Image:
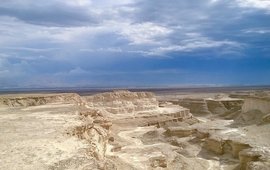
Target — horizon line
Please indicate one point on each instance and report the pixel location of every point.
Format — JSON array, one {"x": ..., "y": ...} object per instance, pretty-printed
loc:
[{"x": 79, "y": 88}]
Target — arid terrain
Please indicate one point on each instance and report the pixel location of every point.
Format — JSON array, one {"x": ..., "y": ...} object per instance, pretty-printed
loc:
[{"x": 136, "y": 130}]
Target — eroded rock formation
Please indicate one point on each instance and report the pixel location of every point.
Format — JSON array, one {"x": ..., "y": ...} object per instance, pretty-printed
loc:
[
  {"x": 208, "y": 106},
  {"x": 133, "y": 130},
  {"x": 95, "y": 129},
  {"x": 40, "y": 99},
  {"x": 124, "y": 102}
]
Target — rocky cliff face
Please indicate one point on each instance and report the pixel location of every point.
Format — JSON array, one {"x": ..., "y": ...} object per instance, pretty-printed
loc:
[
  {"x": 237, "y": 130},
  {"x": 123, "y": 101},
  {"x": 255, "y": 109},
  {"x": 196, "y": 106},
  {"x": 227, "y": 145},
  {"x": 263, "y": 105},
  {"x": 95, "y": 129},
  {"x": 203, "y": 107},
  {"x": 137, "y": 108}
]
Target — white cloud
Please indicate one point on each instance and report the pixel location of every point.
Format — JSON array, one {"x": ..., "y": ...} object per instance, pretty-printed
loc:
[
  {"x": 144, "y": 33},
  {"x": 257, "y": 31},
  {"x": 113, "y": 50},
  {"x": 80, "y": 2},
  {"x": 214, "y": 1},
  {"x": 259, "y": 4},
  {"x": 77, "y": 70},
  {"x": 191, "y": 45}
]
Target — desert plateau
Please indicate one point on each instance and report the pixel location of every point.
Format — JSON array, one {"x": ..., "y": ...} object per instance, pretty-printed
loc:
[
  {"x": 135, "y": 85},
  {"x": 136, "y": 130}
]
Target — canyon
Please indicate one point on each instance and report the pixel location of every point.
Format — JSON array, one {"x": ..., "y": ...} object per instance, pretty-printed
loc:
[{"x": 136, "y": 130}]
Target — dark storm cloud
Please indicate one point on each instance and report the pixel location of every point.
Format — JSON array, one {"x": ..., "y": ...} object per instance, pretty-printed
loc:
[
  {"x": 50, "y": 14},
  {"x": 84, "y": 42}
]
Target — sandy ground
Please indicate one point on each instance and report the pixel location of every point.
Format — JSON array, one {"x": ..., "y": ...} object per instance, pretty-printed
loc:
[{"x": 35, "y": 138}]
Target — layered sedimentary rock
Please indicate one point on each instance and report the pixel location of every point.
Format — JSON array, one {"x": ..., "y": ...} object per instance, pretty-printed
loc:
[
  {"x": 95, "y": 129},
  {"x": 208, "y": 106},
  {"x": 254, "y": 100},
  {"x": 132, "y": 130},
  {"x": 40, "y": 99},
  {"x": 254, "y": 103},
  {"x": 137, "y": 108},
  {"x": 212, "y": 142},
  {"x": 247, "y": 156},
  {"x": 124, "y": 101},
  {"x": 196, "y": 106},
  {"x": 134, "y": 114},
  {"x": 255, "y": 110}
]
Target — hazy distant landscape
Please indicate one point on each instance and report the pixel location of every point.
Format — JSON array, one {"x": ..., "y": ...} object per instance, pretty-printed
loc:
[{"x": 157, "y": 90}]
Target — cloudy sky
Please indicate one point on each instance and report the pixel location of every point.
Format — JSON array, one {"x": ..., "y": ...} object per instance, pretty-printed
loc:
[{"x": 67, "y": 43}]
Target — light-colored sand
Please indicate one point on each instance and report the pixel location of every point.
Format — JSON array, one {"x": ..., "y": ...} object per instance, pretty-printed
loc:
[{"x": 35, "y": 138}]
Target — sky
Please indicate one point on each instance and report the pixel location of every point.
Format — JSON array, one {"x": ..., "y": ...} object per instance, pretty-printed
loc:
[{"x": 111, "y": 43}]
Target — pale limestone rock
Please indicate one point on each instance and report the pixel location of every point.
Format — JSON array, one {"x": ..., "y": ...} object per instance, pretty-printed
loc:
[
  {"x": 40, "y": 99},
  {"x": 124, "y": 102},
  {"x": 254, "y": 103}
]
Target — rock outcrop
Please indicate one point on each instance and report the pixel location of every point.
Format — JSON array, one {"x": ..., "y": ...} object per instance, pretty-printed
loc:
[
  {"x": 159, "y": 161},
  {"x": 123, "y": 102},
  {"x": 254, "y": 110},
  {"x": 39, "y": 99},
  {"x": 256, "y": 103},
  {"x": 251, "y": 117},
  {"x": 132, "y": 130},
  {"x": 180, "y": 131},
  {"x": 96, "y": 130},
  {"x": 202, "y": 107},
  {"x": 158, "y": 117},
  {"x": 196, "y": 106},
  {"x": 137, "y": 108},
  {"x": 255, "y": 159}
]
